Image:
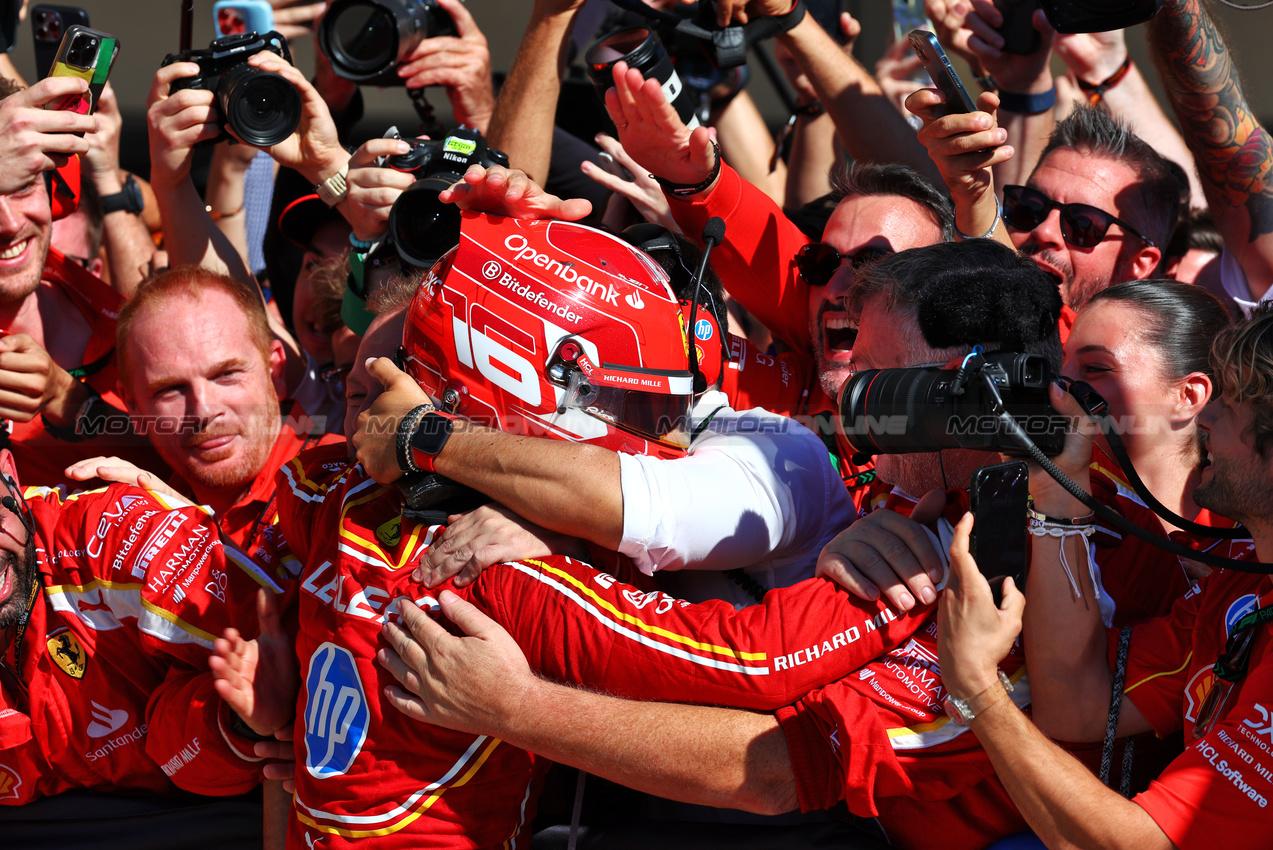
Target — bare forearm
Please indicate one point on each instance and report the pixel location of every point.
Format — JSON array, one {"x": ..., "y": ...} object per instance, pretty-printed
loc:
[
  {"x": 525, "y": 110},
  {"x": 869, "y": 125},
  {"x": 812, "y": 158},
  {"x": 1064, "y": 803},
  {"x": 565, "y": 487},
  {"x": 694, "y": 754},
  {"x": 196, "y": 240},
  {"x": 1134, "y": 101},
  {"x": 1065, "y": 642},
  {"x": 1233, "y": 152},
  {"x": 746, "y": 145},
  {"x": 225, "y": 196},
  {"x": 126, "y": 238}
]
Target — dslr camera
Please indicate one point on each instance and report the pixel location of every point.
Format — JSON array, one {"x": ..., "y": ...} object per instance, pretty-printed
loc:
[
  {"x": 367, "y": 39},
  {"x": 422, "y": 227},
  {"x": 260, "y": 107},
  {"x": 929, "y": 408}
]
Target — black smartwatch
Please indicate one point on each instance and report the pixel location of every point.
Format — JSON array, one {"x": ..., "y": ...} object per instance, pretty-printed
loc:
[
  {"x": 430, "y": 436},
  {"x": 128, "y": 199}
]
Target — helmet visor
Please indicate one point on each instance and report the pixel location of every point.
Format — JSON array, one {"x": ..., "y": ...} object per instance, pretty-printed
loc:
[{"x": 659, "y": 416}]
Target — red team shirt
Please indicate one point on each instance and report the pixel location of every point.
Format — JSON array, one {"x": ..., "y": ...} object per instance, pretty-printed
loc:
[
  {"x": 115, "y": 657},
  {"x": 1217, "y": 793},
  {"x": 366, "y": 771}
]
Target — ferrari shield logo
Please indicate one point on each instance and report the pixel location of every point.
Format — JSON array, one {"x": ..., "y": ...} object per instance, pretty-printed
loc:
[
  {"x": 66, "y": 652},
  {"x": 390, "y": 533}
]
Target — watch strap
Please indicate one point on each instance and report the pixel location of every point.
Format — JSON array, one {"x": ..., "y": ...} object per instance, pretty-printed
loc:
[
  {"x": 334, "y": 189},
  {"x": 964, "y": 711},
  {"x": 128, "y": 199},
  {"x": 435, "y": 427},
  {"x": 402, "y": 439}
]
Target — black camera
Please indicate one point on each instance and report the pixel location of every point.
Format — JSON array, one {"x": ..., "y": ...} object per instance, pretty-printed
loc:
[
  {"x": 422, "y": 227},
  {"x": 1070, "y": 16},
  {"x": 929, "y": 408},
  {"x": 367, "y": 39},
  {"x": 261, "y": 107}
]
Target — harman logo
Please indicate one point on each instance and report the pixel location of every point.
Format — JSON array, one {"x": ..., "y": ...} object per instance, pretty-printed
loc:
[
  {"x": 105, "y": 720},
  {"x": 336, "y": 714},
  {"x": 634, "y": 300},
  {"x": 491, "y": 270}
]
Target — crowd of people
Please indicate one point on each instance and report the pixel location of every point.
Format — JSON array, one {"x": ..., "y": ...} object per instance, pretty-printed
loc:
[{"x": 346, "y": 506}]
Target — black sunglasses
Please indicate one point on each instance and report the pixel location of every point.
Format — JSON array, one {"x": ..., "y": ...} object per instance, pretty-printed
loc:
[
  {"x": 1082, "y": 225},
  {"x": 818, "y": 261}
]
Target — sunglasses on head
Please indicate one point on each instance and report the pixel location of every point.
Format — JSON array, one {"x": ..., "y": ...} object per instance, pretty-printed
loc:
[
  {"x": 1082, "y": 225},
  {"x": 817, "y": 261}
]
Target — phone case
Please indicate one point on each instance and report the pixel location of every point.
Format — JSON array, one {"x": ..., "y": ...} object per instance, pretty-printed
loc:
[
  {"x": 1019, "y": 35},
  {"x": 995, "y": 491},
  {"x": 235, "y": 17},
  {"x": 48, "y": 25},
  {"x": 930, "y": 52},
  {"x": 96, "y": 69}
]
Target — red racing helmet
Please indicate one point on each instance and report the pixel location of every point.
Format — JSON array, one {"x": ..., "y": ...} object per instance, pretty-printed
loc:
[{"x": 554, "y": 329}]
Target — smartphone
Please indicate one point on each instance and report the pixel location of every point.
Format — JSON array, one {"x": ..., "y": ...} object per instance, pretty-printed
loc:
[
  {"x": 48, "y": 25},
  {"x": 236, "y": 17},
  {"x": 1019, "y": 35},
  {"x": 827, "y": 14},
  {"x": 999, "y": 536},
  {"x": 613, "y": 166},
  {"x": 930, "y": 52},
  {"x": 89, "y": 55}
]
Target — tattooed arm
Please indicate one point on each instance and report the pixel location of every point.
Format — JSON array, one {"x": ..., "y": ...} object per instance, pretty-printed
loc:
[{"x": 1233, "y": 152}]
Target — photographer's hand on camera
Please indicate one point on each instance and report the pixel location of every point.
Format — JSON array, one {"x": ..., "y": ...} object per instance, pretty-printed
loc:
[
  {"x": 886, "y": 553},
  {"x": 964, "y": 147},
  {"x": 373, "y": 188},
  {"x": 314, "y": 149},
  {"x": 34, "y": 139},
  {"x": 491, "y": 534},
  {"x": 462, "y": 64},
  {"x": 503, "y": 191},
  {"x": 177, "y": 122},
  {"x": 654, "y": 135},
  {"x": 1049, "y": 497}
]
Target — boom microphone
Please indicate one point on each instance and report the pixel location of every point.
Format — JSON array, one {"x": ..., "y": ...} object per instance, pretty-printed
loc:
[{"x": 713, "y": 235}]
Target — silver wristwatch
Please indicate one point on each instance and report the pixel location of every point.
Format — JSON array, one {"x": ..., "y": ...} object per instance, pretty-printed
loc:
[{"x": 964, "y": 711}]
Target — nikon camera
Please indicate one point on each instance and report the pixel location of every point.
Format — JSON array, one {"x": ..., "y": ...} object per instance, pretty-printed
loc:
[
  {"x": 260, "y": 107},
  {"x": 422, "y": 227}
]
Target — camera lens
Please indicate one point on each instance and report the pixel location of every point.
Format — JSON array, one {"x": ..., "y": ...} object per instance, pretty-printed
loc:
[
  {"x": 640, "y": 48},
  {"x": 366, "y": 39},
  {"x": 260, "y": 107},
  {"x": 424, "y": 228}
]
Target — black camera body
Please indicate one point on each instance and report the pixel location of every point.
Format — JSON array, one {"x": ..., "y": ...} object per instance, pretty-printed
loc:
[
  {"x": 366, "y": 40},
  {"x": 262, "y": 108},
  {"x": 422, "y": 227},
  {"x": 930, "y": 408}
]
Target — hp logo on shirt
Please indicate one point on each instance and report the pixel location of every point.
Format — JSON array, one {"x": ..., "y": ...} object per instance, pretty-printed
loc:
[{"x": 336, "y": 713}]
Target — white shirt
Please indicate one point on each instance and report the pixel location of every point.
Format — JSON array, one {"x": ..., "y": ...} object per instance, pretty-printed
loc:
[{"x": 756, "y": 491}]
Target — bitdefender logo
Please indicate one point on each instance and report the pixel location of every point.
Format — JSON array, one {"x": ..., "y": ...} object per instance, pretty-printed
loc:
[{"x": 492, "y": 270}]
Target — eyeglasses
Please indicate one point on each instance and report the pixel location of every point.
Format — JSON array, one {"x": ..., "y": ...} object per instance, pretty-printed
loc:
[
  {"x": 1082, "y": 225},
  {"x": 1229, "y": 670},
  {"x": 817, "y": 261}
]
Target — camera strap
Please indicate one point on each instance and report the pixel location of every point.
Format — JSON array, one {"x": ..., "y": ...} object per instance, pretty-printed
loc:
[
  {"x": 729, "y": 44},
  {"x": 1014, "y": 429},
  {"x": 1096, "y": 407}
]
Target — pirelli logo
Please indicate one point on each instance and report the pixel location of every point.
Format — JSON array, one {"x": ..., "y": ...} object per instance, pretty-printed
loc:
[{"x": 155, "y": 544}]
